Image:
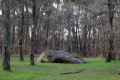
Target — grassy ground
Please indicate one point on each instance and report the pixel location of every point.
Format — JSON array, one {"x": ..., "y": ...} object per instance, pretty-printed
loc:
[{"x": 95, "y": 69}]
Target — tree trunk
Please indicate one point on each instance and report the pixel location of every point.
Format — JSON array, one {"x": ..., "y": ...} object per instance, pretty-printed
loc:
[
  {"x": 13, "y": 29},
  {"x": 21, "y": 34},
  {"x": 27, "y": 37},
  {"x": 33, "y": 32},
  {"x": 47, "y": 29},
  {"x": 85, "y": 34},
  {"x": 111, "y": 55},
  {"x": 6, "y": 53},
  {"x": 85, "y": 41},
  {"x": 77, "y": 47}
]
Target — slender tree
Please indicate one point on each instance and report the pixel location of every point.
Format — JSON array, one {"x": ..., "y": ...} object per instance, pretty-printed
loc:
[
  {"x": 111, "y": 39},
  {"x": 21, "y": 33},
  {"x": 6, "y": 53},
  {"x": 33, "y": 32}
]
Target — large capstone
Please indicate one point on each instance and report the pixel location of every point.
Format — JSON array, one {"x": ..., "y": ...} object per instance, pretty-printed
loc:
[{"x": 62, "y": 57}]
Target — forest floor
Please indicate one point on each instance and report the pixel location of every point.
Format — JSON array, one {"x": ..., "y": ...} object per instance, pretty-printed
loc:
[{"x": 94, "y": 69}]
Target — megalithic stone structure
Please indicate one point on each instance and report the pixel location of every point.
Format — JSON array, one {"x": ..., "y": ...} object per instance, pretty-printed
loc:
[{"x": 62, "y": 57}]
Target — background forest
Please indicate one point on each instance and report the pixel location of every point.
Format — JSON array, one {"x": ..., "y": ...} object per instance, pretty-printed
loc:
[{"x": 78, "y": 26}]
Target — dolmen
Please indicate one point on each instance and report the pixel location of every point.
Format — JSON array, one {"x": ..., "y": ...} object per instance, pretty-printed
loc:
[{"x": 60, "y": 57}]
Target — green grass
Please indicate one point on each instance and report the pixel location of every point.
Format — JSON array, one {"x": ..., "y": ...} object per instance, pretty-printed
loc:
[{"x": 95, "y": 69}]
